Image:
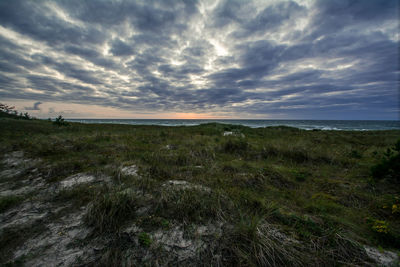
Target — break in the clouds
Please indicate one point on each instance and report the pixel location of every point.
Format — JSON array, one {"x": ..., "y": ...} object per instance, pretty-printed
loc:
[{"x": 323, "y": 59}]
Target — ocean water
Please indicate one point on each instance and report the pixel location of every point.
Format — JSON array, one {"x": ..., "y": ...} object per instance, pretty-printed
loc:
[{"x": 348, "y": 125}]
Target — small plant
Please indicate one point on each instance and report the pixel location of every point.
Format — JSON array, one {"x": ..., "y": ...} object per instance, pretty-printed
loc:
[
  {"x": 26, "y": 116},
  {"x": 380, "y": 226},
  {"x": 145, "y": 239},
  {"x": 60, "y": 121},
  {"x": 389, "y": 167},
  {"x": 11, "y": 112},
  {"x": 384, "y": 234}
]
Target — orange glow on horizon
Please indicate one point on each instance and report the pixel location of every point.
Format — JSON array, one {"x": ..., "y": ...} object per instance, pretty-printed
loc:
[
  {"x": 80, "y": 111},
  {"x": 193, "y": 116}
]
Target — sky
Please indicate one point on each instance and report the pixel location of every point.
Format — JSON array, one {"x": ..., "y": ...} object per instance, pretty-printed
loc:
[{"x": 261, "y": 59}]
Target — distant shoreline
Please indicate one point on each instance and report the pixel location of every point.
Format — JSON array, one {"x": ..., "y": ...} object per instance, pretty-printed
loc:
[{"x": 346, "y": 125}]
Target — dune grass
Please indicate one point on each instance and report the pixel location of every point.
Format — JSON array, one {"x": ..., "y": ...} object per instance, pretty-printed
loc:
[{"x": 316, "y": 187}]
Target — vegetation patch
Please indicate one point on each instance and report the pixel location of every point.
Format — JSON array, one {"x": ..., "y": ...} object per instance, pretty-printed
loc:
[
  {"x": 190, "y": 204},
  {"x": 253, "y": 242},
  {"x": 279, "y": 195},
  {"x": 144, "y": 239},
  {"x": 7, "y": 202},
  {"x": 12, "y": 237},
  {"x": 236, "y": 146},
  {"x": 110, "y": 211},
  {"x": 389, "y": 166}
]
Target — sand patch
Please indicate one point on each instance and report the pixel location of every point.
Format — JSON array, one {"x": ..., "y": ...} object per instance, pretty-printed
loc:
[
  {"x": 16, "y": 164},
  {"x": 180, "y": 184},
  {"x": 80, "y": 178},
  {"x": 384, "y": 258},
  {"x": 130, "y": 170},
  {"x": 55, "y": 247}
]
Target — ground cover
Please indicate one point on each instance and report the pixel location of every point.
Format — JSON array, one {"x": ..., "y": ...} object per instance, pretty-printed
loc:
[{"x": 105, "y": 194}]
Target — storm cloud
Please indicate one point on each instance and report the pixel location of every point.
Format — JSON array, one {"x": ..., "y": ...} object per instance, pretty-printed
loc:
[{"x": 322, "y": 59}]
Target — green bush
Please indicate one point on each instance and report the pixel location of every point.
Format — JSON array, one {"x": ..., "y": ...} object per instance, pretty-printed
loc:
[
  {"x": 59, "y": 121},
  {"x": 389, "y": 167},
  {"x": 10, "y": 112}
]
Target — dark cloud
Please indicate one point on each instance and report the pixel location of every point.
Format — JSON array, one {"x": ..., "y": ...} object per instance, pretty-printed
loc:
[
  {"x": 228, "y": 12},
  {"x": 119, "y": 48},
  {"x": 143, "y": 16},
  {"x": 270, "y": 18},
  {"x": 35, "y": 106},
  {"x": 293, "y": 59},
  {"x": 82, "y": 51},
  {"x": 356, "y": 10},
  {"x": 40, "y": 23}
]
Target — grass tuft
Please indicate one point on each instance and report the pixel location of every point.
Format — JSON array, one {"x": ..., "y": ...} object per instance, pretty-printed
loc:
[
  {"x": 252, "y": 242},
  {"x": 190, "y": 205},
  {"x": 110, "y": 211}
]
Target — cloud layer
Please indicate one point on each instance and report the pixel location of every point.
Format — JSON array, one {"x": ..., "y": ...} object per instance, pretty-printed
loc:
[{"x": 263, "y": 59}]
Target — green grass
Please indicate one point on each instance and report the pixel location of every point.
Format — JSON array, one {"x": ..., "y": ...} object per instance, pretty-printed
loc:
[
  {"x": 315, "y": 186},
  {"x": 190, "y": 205},
  {"x": 110, "y": 210},
  {"x": 12, "y": 238},
  {"x": 7, "y": 202},
  {"x": 144, "y": 239}
]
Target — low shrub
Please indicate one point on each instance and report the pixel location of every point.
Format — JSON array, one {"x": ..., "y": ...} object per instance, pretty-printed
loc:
[
  {"x": 380, "y": 227},
  {"x": 389, "y": 167},
  {"x": 385, "y": 233},
  {"x": 59, "y": 121}
]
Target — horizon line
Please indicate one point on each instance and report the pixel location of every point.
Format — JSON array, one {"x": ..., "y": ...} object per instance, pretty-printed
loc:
[{"x": 238, "y": 119}]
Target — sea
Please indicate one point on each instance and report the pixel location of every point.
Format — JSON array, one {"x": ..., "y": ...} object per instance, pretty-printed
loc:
[{"x": 344, "y": 125}]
